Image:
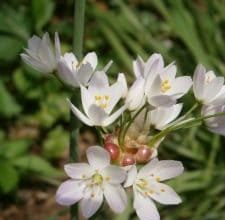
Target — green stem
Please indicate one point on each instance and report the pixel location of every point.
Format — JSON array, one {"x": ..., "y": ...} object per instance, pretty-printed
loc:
[
  {"x": 123, "y": 132},
  {"x": 184, "y": 124},
  {"x": 79, "y": 16}
]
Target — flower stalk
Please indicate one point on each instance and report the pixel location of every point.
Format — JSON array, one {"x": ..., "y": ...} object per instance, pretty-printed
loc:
[{"x": 79, "y": 17}]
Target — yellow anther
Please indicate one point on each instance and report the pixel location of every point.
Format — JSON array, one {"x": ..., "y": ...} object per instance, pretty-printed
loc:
[
  {"x": 162, "y": 190},
  {"x": 151, "y": 191},
  {"x": 107, "y": 178},
  {"x": 106, "y": 97},
  {"x": 98, "y": 97},
  {"x": 157, "y": 179},
  {"x": 165, "y": 85}
]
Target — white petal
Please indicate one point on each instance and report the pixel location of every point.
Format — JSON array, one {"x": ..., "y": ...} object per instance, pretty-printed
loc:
[
  {"x": 109, "y": 120},
  {"x": 131, "y": 176},
  {"x": 213, "y": 88},
  {"x": 116, "y": 174},
  {"x": 164, "y": 194},
  {"x": 161, "y": 100},
  {"x": 69, "y": 193},
  {"x": 97, "y": 115},
  {"x": 180, "y": 86},
  {"x": 136, "y": 94},
  {"x": 66, "y": 74},
  {"x": 34, "y": 44},
  {"x": 92, "y": 59},
  {"x": 78, "y": 170},
  {"x": 116, "y": 197},
  {"x": 80, "y": 115},
  {"x": 198, "y": 81},
  {"x": 122, "y": 79},
  {"x": 145, "y": 208},
  {"x": 162, "y": 116},
  {"x": 84, "y": 74},
  {"x": 145, "y": 170},
  {"x": 57, "y": 46},
  {"x": 169, "y": 72},
  {"x": 167, "y": 169},
  {"x": 37, "y": 65},
  {"x": 98, "y": 157},
  {"x": 99, "y": 80},
  {"x": 90, "y": 204},
  {"x": 86, "y": 99},
  {"x": 138, "y": 67}
]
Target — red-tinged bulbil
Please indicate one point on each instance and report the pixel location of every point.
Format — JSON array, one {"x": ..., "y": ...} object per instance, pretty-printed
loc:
[
  {"x": 113, "y": 150},
  {"x": 143, "y": 154},
  {"x": 109, "y": 138},
  {"x": 128, "y": 159}
]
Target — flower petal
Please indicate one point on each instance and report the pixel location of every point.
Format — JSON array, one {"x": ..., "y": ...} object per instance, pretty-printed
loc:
[
  {"x": 145, "y": 208},
  {"x": 78, "y": 170},
  {"x": 164, "y": 194},
  {"x": 161, "y": 100},
  {"x": 91, "y": 202},
  {"x": 99, "y": 80},
  {"x": 135, "y": 94},
  {"x": 109, "y": 120},
  {"x": 116, "y": 174},
  {"x": 167, "y": 169},
  {"x": 69, "y": 192},
  {"x": 116, "y": 197},
  {"x": 84, "y": 74},
  {"x": 57, "y": 46},
  {"x": 80, "y": 115},
  {"x": 92, "y": 59},
  {"x": 97, "y": 115},
  {"x": 122, "y": 79},
  {"x": 138, "y": 67},
  {"x": 98, "y": 157},
  {"x": 131, "y": 176},
  {"x": 198, "y": 81},
  {"x": 145, "y": 170},
  {"x": 86, "y": 99}
]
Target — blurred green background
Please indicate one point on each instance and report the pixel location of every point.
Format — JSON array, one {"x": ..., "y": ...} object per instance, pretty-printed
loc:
[{"x": 34, "y": 115}]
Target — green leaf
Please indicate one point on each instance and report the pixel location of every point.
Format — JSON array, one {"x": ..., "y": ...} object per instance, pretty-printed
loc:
[
  {"x": 56, "y": 142},
  {"x": 37, "y": 165},
  {"x": 8, "y": 105},
  {"x": 9, "y": 177},
  {"x": 14, "y": 148},
  {"x": 10, "y": 48},
  {"x": 42, "y": 12}
]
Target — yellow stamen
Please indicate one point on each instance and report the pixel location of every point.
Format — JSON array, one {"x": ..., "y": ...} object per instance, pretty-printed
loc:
[{"x": 165, "y": 85}]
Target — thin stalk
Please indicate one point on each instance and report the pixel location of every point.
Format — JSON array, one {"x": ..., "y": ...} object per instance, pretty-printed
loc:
[
  {"x": 123, "y": 132},
  {"x": 78, "y": 33},
  {"x": 192, "y": 122}
]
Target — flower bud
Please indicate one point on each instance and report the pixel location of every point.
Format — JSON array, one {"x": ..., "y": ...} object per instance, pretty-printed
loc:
[
  {"x": 143, "y": 154},
  {"x": 113, "y": 150},
  {"x": 128, "y": 159}
]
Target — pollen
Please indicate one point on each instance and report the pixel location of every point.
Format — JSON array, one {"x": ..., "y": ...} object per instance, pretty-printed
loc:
[
  {"x": 151, "y": 191},
  {"x": 157, "y": 179},
  {"x": 165, "y": 86},
  {"x": 107, "y": 178},
  {"x": 162, "y": 190},
  {"x": 102, "y": 101}
]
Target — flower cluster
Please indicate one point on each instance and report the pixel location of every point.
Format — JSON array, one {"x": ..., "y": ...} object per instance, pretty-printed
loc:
[{"x": 132, "y": 122}]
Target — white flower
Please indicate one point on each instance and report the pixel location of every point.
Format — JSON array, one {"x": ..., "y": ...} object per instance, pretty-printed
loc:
[
  {"x": 215, "y": 124},
  {"x": 147, "y": 187},
  {"x": 40, "y": 54},
  {"x": 91, "y": 182},
  {"x": 75, "y": 73},
  {"x": 208, "y": 88},
  {"x": 99, "y": 100},
  {"x": 165, "y": 89},
  {"x": 162, "y": 116},
  {"x": 144, "y": 72}
]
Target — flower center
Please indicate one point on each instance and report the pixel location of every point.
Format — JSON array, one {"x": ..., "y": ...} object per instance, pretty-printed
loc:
[
  {"x": 78, "y": 64},
  {"x": 165, "y": 86},
  {"x": 102, "y": 101},
  {"x": 97, "y": 179}
]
